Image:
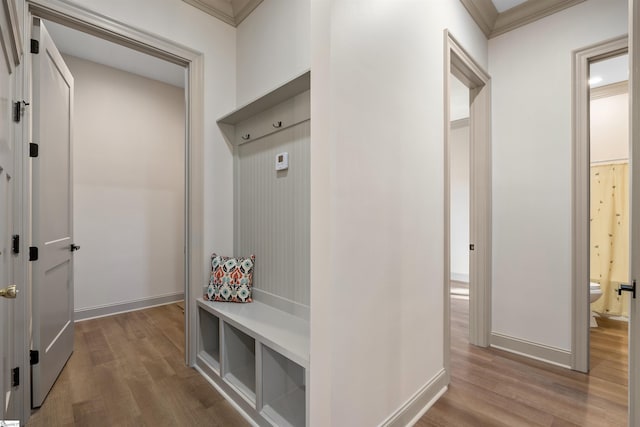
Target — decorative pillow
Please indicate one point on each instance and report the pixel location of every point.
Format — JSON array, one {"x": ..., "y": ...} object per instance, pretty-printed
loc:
[{"x": 231, "y": 279}]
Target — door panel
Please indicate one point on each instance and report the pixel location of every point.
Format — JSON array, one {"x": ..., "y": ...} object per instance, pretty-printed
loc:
[{"x": 52, "y": 214}]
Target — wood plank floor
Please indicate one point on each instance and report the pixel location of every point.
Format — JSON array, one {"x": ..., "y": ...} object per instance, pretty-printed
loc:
[
  {"x": 495, "y": 388},
  {"x": 128, "y": 370}
]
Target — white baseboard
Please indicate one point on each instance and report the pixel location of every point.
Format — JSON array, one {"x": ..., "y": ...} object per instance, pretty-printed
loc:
[
  {"x": 460, "y": 277},
  {"x": 544, "y": 353},
  {"x": 123, "y": 307},
  {"x": 414, "y": 408}
]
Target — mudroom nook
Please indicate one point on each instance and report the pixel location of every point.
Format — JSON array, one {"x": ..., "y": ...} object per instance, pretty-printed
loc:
[{"x": 258, "y": 352}]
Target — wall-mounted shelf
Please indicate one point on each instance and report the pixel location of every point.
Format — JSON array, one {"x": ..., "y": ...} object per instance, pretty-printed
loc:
[{"x": 276, "y": 110}]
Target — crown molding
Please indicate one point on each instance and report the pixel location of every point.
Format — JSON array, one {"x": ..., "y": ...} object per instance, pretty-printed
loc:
[
  {"x": 528, "y": 12},
  {"x": 613, "y": 89},
  {"x": 483, "y": 12},
  {"x": 233, "y": 12},
  {"x": 493, "y": 23}
]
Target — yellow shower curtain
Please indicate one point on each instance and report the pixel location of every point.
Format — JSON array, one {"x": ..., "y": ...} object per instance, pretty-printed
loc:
[{"x": 610, "y": 236}]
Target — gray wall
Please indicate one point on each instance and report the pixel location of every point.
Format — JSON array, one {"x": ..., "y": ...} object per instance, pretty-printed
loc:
[{"x": 272, "y": 212}]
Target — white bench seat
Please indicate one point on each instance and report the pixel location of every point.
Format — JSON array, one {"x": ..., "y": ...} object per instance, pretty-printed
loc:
[{"x": 283, "y": 332}]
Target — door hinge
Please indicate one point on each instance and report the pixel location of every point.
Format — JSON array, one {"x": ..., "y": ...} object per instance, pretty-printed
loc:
[
  {"x": 34, "y": 150},
  {"x": 15, "y": 244},
  {"x": 15, "y": 377},
  {"x": 17, "y": 111},
  {"x": 33, "y": 253},
  {"x": 34, "y": 357},
  {"x": 35, "y": 46},
  {"x": 472, "y": 247}
]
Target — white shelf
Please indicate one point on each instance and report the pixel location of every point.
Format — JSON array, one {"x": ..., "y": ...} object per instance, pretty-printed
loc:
[
  {"x": 209, "y": 339},
  {"x": 283, "y": 390},
  {"x": 288, "y": 90},
  {"x": 239, "y": 361},
  {"x": 244, "y": 381},
  {"x": 283, "y": 107},
  {"x": 292, "y": 405}
]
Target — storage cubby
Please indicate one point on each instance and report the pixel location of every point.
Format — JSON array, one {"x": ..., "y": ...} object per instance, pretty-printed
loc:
[
  {"x": 240, "y": 361},
  {"x": 283, "y": 390},
  {"x": 209, "y": 339}
]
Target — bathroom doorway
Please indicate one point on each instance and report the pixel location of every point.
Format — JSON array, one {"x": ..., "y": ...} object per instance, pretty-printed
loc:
[
  {"x": 601, "y": 221},
  {"x": 609, "y": 216}
]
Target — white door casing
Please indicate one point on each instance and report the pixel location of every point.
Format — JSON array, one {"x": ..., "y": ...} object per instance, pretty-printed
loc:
[
  {"x": 10, "y": 308},
  {"x": 7, "y": 306},
  {"x": 52, "y": 226},
  {"x": 459, "y": 63},
  {"x": 580, "y": 204},
  {"x": 634, "y": 240}
]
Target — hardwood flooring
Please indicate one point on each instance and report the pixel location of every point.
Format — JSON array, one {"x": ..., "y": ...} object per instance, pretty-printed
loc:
[
  {"x": 128, "y": 370},
  {"x": 495, "y": 388}
]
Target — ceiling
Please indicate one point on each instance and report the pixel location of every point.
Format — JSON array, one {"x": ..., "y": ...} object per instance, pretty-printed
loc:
[
  {"x": 85, "y": 46},
  {"x": 502, "y": 5}
]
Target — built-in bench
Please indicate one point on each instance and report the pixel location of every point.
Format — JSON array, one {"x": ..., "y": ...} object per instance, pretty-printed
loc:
[{"x": 257, "y": 355}]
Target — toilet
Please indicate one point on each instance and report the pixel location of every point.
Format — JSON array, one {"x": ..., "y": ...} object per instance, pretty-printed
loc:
[{"x": 595, "y": 292}]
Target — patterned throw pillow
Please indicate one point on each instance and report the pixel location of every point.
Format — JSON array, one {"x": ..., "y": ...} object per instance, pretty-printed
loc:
[{"x": 231, "y": 279}]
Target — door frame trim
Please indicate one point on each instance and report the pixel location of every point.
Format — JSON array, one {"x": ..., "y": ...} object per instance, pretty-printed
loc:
[
  {"x": 98, "y": 25},
  {"x": 580, "y": 199},
  {"x": 459, "y": 63},
  {"x": 634, "y": 143}
]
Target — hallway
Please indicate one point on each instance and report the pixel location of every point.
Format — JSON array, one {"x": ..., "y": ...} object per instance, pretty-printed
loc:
[
  {"x": 490, "y": 387},
  {"x": 128, "y": 370}
]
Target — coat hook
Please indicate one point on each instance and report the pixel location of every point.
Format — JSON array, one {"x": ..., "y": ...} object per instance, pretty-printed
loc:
[
  {"x": 277, "y": 125},
  {"x": 246, "y": 137}
]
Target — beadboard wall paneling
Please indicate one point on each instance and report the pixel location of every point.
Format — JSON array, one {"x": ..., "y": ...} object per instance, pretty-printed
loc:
[{"x": 272, "y": 212}]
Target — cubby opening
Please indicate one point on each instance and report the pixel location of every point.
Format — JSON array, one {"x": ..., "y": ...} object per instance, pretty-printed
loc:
[
  {"x": 283, "y": 390},
  {"x": 240, "y": 361},
  {"x": 209, "y": 339}
]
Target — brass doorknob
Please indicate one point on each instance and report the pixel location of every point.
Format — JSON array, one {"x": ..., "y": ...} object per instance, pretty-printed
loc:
[{"x": 9, "y": 292}]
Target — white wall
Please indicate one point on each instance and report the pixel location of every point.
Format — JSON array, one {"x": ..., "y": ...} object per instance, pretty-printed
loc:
[
  {"x": 377, "y": 179},
  {"x": 531, "y": 96},
  {"x": 128, "y": 186},
  {"x": 273, "y": 45},
  {"x": 610, "y": 128},
  {"x": 187, "y": 25},
  {"x": 459, "y": 173}
]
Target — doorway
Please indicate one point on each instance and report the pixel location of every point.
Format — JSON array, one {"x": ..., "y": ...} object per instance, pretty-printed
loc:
[
  {"x": 193, "y": 62},
  {"x": 474, "y": 84},
  {"x": 459, "y": 169},
  {"x": 581, "y": 204},
  {"x": 128, "y": 180}
]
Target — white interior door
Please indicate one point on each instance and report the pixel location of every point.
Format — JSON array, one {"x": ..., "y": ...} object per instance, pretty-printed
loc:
[
  {"x": 52, "y": 315},
  {"x": 7, "y": 303}
]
